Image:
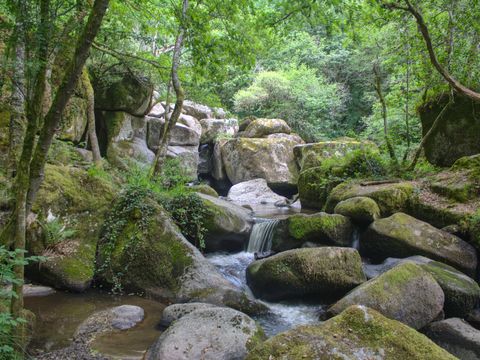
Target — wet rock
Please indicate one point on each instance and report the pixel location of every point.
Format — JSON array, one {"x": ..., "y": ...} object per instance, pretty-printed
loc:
[
  {"x": 406, "y": 293},
  {"x": 37, "y": 290},
  {"x": 457, "y": 337},
  {"x": 328, "y": 272},
  {"x": 255, "y": 192},
  {"x": 260, "y": 128},
  {"x": 228, "y": 225},
  {"x": 401, "y": 235},
  {"x": 176, "y": 311},
  {"x": 362, "y": 210},
  {"x": 126, "y": 316},
  {"x": 320, "y": 229},
  {"x": 209, "y": 334},
  {"x": 357, "y": 333},
  {"x": 462, "y": 293}
]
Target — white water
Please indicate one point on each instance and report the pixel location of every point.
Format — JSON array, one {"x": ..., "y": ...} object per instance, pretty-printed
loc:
[
  {"x": 261, "y": 236},
  {"x": 284, "y": 315}
]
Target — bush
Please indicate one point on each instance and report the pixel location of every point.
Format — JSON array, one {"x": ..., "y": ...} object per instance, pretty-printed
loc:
[{"x": 54, "y": 232}]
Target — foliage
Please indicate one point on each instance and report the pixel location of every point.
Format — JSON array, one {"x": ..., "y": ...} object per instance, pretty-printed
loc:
[{"x": 55, "y": 231}]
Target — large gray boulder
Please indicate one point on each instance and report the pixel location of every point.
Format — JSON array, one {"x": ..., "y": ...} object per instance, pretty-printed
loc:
[
  {"x": 358, "y": 333},
  {"x": 174, "y": 312},
  {"x": 188, "y": 157},
  {"x": 270, "y": 159},
  {"x": 200, "y": 111},
  {"x": 214, "y": 129},
  {"x": 457, "y": 337},
  {"x": 260, "y": 128},
  {"x": 401, "y": 235},
  {"x": 181, "y": 134},
  {"x": 326, "y": 272},
  {"x": 462, "y": 293},
  {"x": 406, "y": 293},
  {"x": 255, "y": 192},
  {"x": 208, "y": 334},
  {"x": 228, "y": 225},
  {"x": 318, "y": 229}
]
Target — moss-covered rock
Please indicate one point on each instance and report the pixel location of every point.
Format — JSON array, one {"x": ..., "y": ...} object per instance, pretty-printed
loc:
[
  {"x": 326, "y": 272},
  {"x": 74, "y": 120},
  {"x": 320, "y": 228},
  {"x": 79, "y": 201},
  {"x": 313, "y": 155},
  {"x": 456, "y": 135},
  {"x": 314, "y": 187},
  {"x": 357, "y": 333},
  {"x": 260, "y": 128},
  {"x": 360, "y": 209},
  {"x": 390, "y": 197},
  {"x": 205, "y": 189},
  {"x": 401, "y": 235},
  {"x": 406, "y": 293},
  {"x": 462, "y": 293},
  {"x": 228, "y": 225}
]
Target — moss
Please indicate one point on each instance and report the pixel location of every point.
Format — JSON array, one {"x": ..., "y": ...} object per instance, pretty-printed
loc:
[
  {"x": 313, "y": 187},
  {"x": 205, "y": 189},
  {"x": 361, "y": 209},
  {"x": 357, "y": 332}
]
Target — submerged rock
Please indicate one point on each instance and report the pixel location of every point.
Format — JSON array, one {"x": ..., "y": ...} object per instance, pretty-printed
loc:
[
  {"x": 357, "y": 333},
  {"x": 401, "y": 235},
  {"x": 326, "y": 272},
  {"x": 209, "y": 334},
  {"x": 319, "y": 229},
  {"x": 457, "y": 337},
  {"x": 406, "y": 293}
]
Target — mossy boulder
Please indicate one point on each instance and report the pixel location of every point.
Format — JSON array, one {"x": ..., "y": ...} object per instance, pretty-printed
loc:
[
  {"x": 321, "y": 229},
  {"x": 313, "y": 155},
  {"x": 228, "y": 225},
  {"x": 406, "y": 293},
  {"x": 360, "y": 209},
  {"x": 205, "y": 189},
  {"x": 390, "y": 197},
  {"x": 79, "y": 201},
  {"x": 123, "y": 91},
  {"x": 314, "y": 186},
  {"x": 213, "y": 333},
  {"x": 326, "y": 272},
  {"x": 357, "y": 333},
  {"x": 74, "y": 120},
  {"x": 270, "y": 159},
  {"x": 462, "y": 293},
  {"x": 401, "y": 235},
  {"x": 456, "y": 135},
  {"x": 260, "y": 128}
]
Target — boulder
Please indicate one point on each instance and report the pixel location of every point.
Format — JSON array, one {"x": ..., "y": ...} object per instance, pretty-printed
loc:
[
  {"x": 74, "y": 120},
  {"x": 401, "y": 235},
  {"x": 314, "y": 187},
  {"x": 174, "y": 312},
  {"x": 214, "y": 129},
  {"x": 209, "y": 334},
  {"x": 313, "y": 154},
  {"x": 198, "y": 111},
  {"x": 255, "y": 192},
  {"x": 126, "y": 316},
  {"x": 124, "y": 153},
  {"x": 326, "y": 272},
  {"x": 124, "y": 92},
  {"x": 473, "y": 318},
  {"x": 320, "y": 229},
  {"x": 157, "y": 111},
  {"x": 76, "y": 202},
  {"x": 406, "y": 293},
  {"x": 204, "y": 189},
  {"x": 360, "y": 209},
  {"x": 188, "y": 157},
  {"x": 357, "y": 333},
  {"x": 456, "y": 135},
  {"x": 218, "y": 167},
  {"x": 292, "y": 137},
  {"x": 228, "y": 226},
  {"x": 457, "y": 337},
  {"x": 205, "y": 162},
  {"x": 390, "y": 197},
  {"x": 462, "y": 293},
  {"x": 181, "y": 135},
  {"x": 270, "y": 159},
  {"x": 260, "y": 128}
]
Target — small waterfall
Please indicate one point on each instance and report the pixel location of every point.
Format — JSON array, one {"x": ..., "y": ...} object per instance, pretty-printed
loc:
[{"x": 261, "y": 236}]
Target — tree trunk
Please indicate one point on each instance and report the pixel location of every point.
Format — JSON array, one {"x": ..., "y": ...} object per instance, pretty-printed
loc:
[
  {"x": 92, "y": 133},
  {"x": 171, "y": 121},
  {"x": 64, "y": 92}
]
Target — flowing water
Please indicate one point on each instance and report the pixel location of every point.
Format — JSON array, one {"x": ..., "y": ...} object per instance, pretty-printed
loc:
[
  {"x": 284, "y": 315},
  {"x": 59, "y": 315}
]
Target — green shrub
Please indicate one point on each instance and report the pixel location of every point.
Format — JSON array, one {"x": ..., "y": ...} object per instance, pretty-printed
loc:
[{"x": 54, "y": 232}]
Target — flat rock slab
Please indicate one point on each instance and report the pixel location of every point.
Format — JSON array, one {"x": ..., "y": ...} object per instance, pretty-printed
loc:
[{"x": 127, "y": 316}]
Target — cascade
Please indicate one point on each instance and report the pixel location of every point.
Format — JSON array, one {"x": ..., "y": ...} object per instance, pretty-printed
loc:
[{"x": 261, "y": 236}]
